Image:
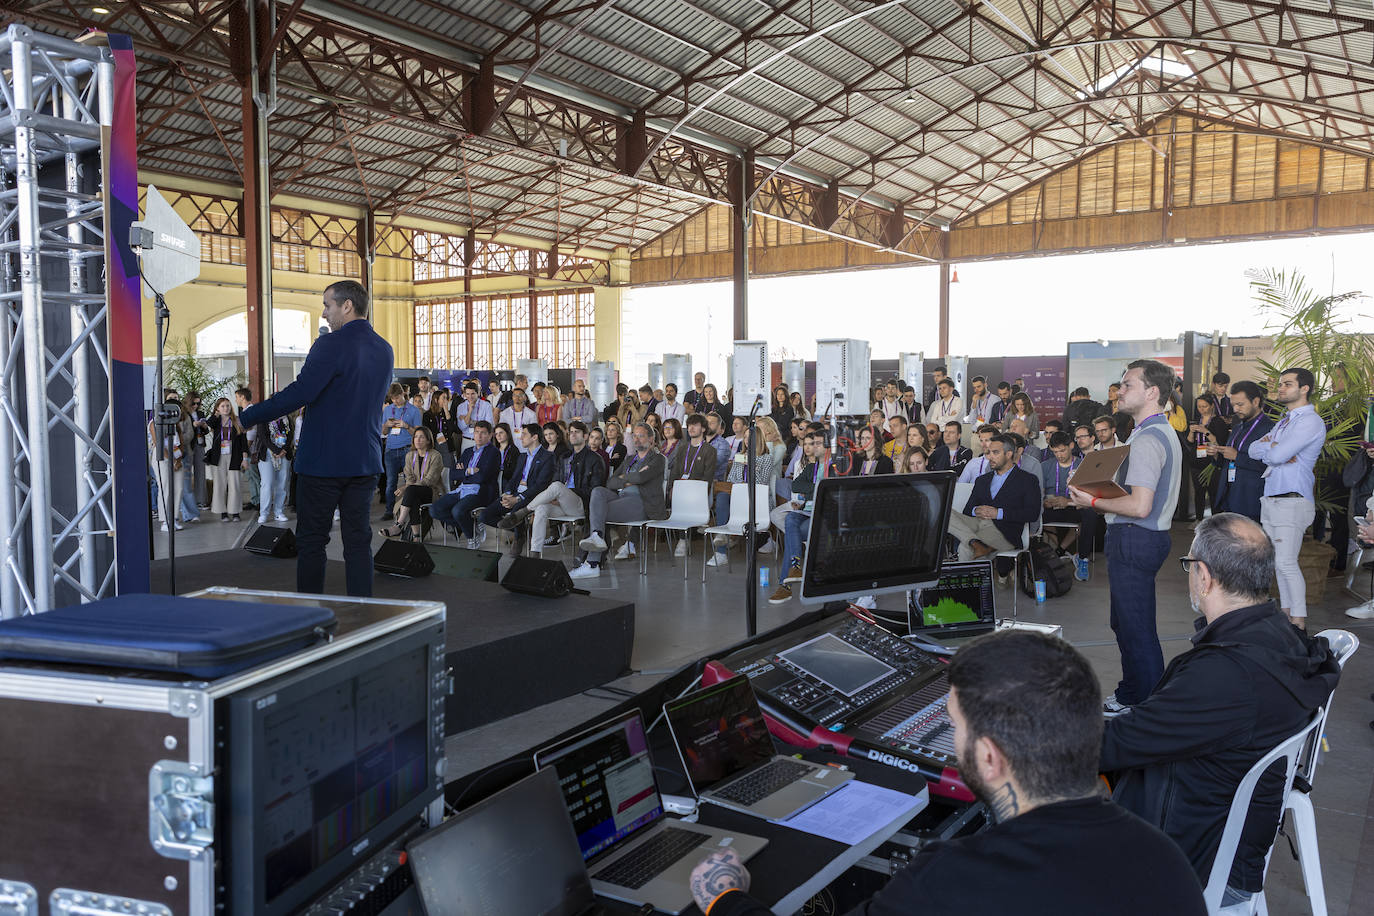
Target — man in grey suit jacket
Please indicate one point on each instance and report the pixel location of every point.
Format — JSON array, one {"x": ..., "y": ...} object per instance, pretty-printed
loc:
[{"x": 633, "y": 492}]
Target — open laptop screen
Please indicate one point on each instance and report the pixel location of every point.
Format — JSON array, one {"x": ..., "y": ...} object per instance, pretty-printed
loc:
[
  {"x": 607, "y": 781},
  {"x": 719, "y": 730},
  {"x": 510, "y": 853},
  {"x": 962, "y": 599}
]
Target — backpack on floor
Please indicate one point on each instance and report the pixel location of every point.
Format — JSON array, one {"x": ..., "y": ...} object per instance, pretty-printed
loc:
[{"x": 1045, "y": 564}]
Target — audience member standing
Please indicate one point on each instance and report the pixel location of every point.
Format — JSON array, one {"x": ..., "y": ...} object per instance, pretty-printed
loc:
[
  {"x": 1290, "y": 450},
  {"x": 519, "y": 415},
  {"x": 199, "y": 429},
  {"x": 1240, "y": 478},
  {"x": 550, "y": 409},
  {"x": 980, "y": 403},
  {"x": 399, "y": 421},
  {"x": 1138, "y": 528},
  {"x": 224, "y": 459},
  {"x": 273, "y": 456},
  {"x": 711, "y": 403},
  {"x": 343, "y": 380},
  {"x": 1206, "y": 427},
  {"x": 244, "y": 398},
  {"x": 670, "y": 408},
  {"x": 580, "y": 406},
  {"x": 439, "y": 421},
  {"x": 470, "y": 411},
  {"x": 1022, "y": 409},
  {"x": 947, "y": 407},
  {"x": 1081, "y": 410},
  {"x": 693, "y": 398}
]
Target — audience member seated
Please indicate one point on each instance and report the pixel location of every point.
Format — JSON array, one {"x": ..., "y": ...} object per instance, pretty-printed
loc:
[
  {"x": 633, "y": 492},
  {"x": 1027, "y": 722},
  {"x": 1250, "y": 680},
  {"x": 1003, "y": 500},
  {"x": 793, "y": 517},
  {"x": 950, "y": 455},
  {"x": 1083, "y": 440},
  {"x": 913, "y": 462},
  {"x": 479, "y": 472},
  {"x": 580, "y": 471},
  {"x": 1051, "y": 427},
  {"x": 1104, "y": 433},
  {"x": 422, "y": 476},
  {"x": 537, "y": 466},
  {"x": 999, "y": 410},
  {"x": 869, "y": 459},
  {"x": 1030, "y": 459},
  {"x": 1055, "y": 474},
  {"x": 798, "y": 404},
  {"x": 614, "y": 447},
  {"x": 1021, "y": 409},
  {"x": 895, "y": 446},
  {"x": 715, "y": 436},
  {"x": 977, "y": 467}
]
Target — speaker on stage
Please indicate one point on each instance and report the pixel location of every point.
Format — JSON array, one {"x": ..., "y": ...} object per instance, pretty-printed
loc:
[
  {"x": 545, "y": 578},
  {"x": 272, "y": 542},
  {"x": 470, "y": 564},
  {"x": 403, "y": 558}
]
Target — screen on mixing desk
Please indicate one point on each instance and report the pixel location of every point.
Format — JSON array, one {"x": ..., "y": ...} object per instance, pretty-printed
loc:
[
  {"x": 834, "y": 661},
  {"x": 870, "y": 535}
]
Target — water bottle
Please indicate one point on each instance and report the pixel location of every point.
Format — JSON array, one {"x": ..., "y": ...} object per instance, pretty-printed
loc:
[
  {"x": 1039, "y": 591},
  {"x": 763, "y": 577}
]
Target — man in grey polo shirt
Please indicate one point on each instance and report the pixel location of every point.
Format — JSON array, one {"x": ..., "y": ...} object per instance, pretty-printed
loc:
[
  {"x": 1290, "y": 451},
  {"x": 1138, "y": 528}
]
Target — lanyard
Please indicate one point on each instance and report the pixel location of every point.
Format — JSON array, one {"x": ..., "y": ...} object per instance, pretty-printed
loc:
[
  {"x": 634, "y": 459},
  {"x": 1073, "y": 466},
  {"x": 1241, "y": 444},
  {"x": 947, "y": 409},
  {"x": 691, "y": 460},
  {"x": 868, "y": 467}
]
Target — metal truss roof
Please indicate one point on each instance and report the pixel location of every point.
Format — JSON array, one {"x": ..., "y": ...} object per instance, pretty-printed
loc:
[{"x": 598, "y": 123}]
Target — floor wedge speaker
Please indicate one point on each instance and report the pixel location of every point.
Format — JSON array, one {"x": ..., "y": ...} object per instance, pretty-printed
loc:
[
  {"x": 272, "y": 542},
  {"x": 545, "y": 578},
  {"x": 403, "y": 558}
]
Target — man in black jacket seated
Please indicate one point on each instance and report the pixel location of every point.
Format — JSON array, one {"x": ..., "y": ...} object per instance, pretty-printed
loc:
[
  {"x": 949, "y": 455},
  {"x": 570, "y": 493},
  {"x": 535, "y": 472},
  {"x": 1027, "y": 716},
  {"x": 1004, "y": 500},
  {"x": 1251, "y": 680}
]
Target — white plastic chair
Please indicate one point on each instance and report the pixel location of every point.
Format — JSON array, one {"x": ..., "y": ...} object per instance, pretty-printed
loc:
[
  {"x": 1290, "y": 750},
  {"x": 739, "y": 515},
  {"x": 962, "y": 492},
  {"x": 1015, "y": 554},
  {"x": 691, "y": 509},
  {"x": 1343, "y": 645},
  {"x": 562, "y": 520}
]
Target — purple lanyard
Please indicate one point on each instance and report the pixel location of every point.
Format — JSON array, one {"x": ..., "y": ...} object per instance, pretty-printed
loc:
[
  {"x": 633, "y": 462},
  {"x": 1241, "y": 444},
  {"x": 691, "y": 460},
  {"x": 1073, "y": 465}
]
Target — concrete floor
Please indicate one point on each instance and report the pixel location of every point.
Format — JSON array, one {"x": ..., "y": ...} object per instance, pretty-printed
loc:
[{"x": 678, "y": 621}]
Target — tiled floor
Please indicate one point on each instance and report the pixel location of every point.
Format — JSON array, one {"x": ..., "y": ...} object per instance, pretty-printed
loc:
[{"x": 679, "y": 620}]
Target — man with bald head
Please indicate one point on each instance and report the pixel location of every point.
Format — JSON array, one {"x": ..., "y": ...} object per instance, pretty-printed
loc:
[{"x": 1250, "y": 680}]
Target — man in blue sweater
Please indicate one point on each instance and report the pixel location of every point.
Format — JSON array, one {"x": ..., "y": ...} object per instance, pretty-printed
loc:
[{"x": 343, "y": 381}]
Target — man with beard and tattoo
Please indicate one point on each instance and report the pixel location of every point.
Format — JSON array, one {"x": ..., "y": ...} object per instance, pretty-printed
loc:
[{"x": 1028, "y": 725}]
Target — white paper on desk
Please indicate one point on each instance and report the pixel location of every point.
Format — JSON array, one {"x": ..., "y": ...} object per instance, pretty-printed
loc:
[{"x": 851, "y": 813}]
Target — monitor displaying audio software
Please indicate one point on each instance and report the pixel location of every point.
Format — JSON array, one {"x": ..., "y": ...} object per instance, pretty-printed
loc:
[
  {"x": 871, "y": 535},
  {"x": 962, "y": 601}
]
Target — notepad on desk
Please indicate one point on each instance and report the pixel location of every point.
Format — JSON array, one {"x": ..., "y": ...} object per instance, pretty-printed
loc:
[{"x": 855, "y": 811}]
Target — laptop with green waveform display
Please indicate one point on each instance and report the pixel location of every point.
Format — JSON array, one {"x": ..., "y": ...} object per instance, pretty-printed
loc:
[{"x": 962, "y": 602}]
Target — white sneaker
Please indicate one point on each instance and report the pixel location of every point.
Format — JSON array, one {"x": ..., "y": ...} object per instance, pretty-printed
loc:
[
  {"x": 718, "y": 558},
  {"x": 1362, "y": 611},
  {"x": 281, "y": 517},
  {"x": 475, "y": 543},
  {"x": 770, "y": 547},
  {"x": 262, "y": 520},
  {"x": 178, "y": 524},
  {"x": 681, "y": 549},
  {"x": 191, "y": 521},
  {"x": 336, "y": 515},
  {"x": 585, "y": 571},
  {"x": 626, "y": 551},
  {"x": 592, "y": 542}
]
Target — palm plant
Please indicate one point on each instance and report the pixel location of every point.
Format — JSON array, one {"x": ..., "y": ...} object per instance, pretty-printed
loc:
[{"x": 1313, "y": 330}]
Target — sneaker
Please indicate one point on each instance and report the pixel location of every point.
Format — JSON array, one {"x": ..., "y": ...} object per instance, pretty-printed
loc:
[
  {"x": 768, "y": 548},
  {"x": 511, "y": 520},
  {"x": 781, "y": 596},
  {"x": 1111, "y": 708},
  {"x": 585, "y": 571},
  {"x": 195, "y": 518},
  {"x": 224, "y": 516},
  {"x": 592, "y": 542},
  {"x": 1080, "y": 569},
  {"x": 475, "y": 543},
  {"x": 553, "y": 540},
  {"x": 718, "y": 558},
  {"x": 280, "y": 517},
  {"x": 262, "y": 520},
  {"x": 1362, "y": 611},
  {"x": 237, "y": 517},
  {"x": 794, "y": 574},
  {"x": 626, "y": 551},
  {"x": 336, "y": 515},
  {"x": 681, "y": 549}
]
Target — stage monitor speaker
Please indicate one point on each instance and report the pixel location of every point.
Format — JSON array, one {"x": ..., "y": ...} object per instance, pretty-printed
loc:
[
  {"x": 403, "y": 558},
  {"x": 272, "y": 542},
  {"x": 473, "y": 564},
  {"x": 545, "y": 578}
]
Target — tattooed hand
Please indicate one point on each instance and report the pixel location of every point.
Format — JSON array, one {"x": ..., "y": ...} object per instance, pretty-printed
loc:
[{"x": 721, "y": 871}]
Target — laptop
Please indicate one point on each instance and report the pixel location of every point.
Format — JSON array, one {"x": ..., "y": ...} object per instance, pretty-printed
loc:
[
  {"x": 1097, "y": 473},
  {"x": 730, "y": 757},
  {"x": 962, "y": 602},
  {"x": 513, "y": 852},
  {"x": 634, "y": 851}
]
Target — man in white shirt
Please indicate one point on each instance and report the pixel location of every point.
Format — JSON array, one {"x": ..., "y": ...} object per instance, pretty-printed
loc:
[
  {"x": 981, "y": 402},
  {"x": 468, "y": 411},
  {"x": 947, "y": 406},
  {"x": 426, "y": 392},
  {"x": 518, "y": 414},
  {"x": 1290, "y": 451},
  {"x": 979, "y": 466},
  {"x": 892, "y": 403},
  {"x": 669, "y": 408}
]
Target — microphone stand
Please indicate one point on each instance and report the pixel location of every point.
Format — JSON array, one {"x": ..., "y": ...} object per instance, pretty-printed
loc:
[
  {"x": 751, "y": 590},
  {"x": 165, "y": 423}
]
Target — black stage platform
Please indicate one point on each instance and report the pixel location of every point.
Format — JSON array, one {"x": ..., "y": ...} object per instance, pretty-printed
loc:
[{"x": 509, "y": 652}]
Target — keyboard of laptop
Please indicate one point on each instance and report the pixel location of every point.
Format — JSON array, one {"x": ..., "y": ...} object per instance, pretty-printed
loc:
[
  {"x": 763, "y": 782},
  {"x": 650, "y": 859}
]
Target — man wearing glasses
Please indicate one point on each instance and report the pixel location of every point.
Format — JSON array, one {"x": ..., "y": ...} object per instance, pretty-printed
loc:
[{"x": 1250, "y": 680}]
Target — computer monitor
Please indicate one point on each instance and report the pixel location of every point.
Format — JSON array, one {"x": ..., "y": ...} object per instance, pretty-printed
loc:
[
  {"x": 871, "y": 535},
  {"x": 962, "y": 602}
]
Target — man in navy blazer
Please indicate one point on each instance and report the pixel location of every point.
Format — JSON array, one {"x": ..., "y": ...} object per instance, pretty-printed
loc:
[
  {"x": 478, "y": 473},
  {"x": 343, "y": 381},
  {"x": 534, "y": 472},
  {"x": 1242, "y": 481},
  {"x": 1003, "y": 500}
]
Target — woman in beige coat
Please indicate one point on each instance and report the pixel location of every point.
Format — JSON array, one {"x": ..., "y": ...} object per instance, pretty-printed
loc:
[{"x": 421, "y": 482}]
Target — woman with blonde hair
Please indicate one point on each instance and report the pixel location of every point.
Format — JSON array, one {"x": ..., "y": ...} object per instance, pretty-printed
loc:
[
  {"x": 225, "y": 448},
  {"x": 550, "y": 406},
  {"x": 422, "y": 479},
  {"x": 615, "y": 444}
]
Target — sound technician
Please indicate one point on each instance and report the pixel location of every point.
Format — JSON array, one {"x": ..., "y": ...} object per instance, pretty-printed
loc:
[{"x": 1028, "y": 724}]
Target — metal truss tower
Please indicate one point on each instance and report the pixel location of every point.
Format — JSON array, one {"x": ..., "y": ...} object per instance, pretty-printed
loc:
[{"x": 56, "y": 498}]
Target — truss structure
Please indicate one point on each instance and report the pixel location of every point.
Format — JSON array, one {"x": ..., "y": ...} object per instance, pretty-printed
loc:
[{"x": 56, "y": 501}]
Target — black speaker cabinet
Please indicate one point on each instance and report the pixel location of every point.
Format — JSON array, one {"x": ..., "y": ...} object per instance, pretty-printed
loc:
[
  {"x": 532, "y": 576},
  {"x": 272, "y": 542},
  {"x": 473, "y": 564},
  {"x": 403, "y": 558}
]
